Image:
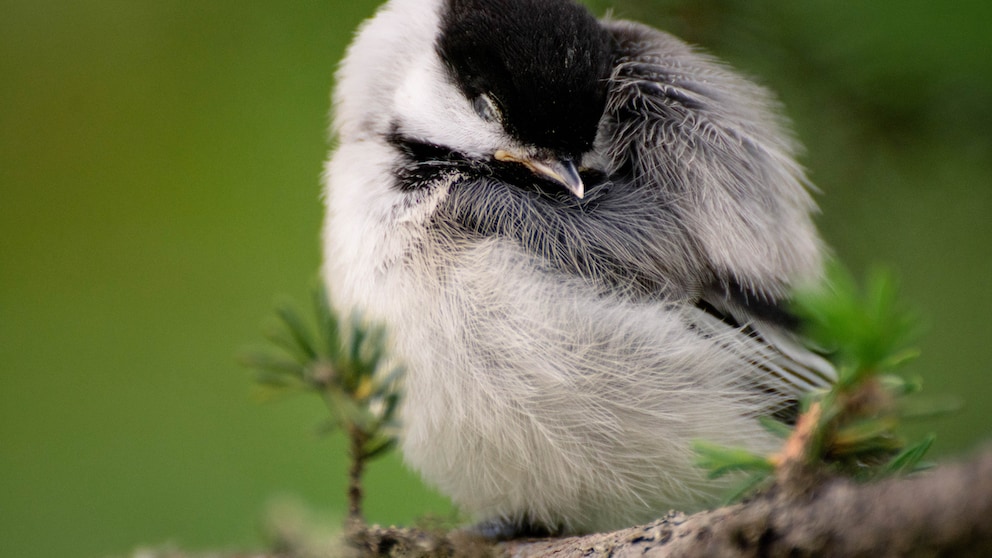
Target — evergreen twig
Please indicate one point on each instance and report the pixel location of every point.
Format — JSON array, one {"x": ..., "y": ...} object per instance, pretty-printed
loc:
[{"x": 345, "y": 363}]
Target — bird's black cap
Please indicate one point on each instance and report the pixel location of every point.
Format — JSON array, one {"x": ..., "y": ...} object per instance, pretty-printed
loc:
[{"x": 545, "y": 63}]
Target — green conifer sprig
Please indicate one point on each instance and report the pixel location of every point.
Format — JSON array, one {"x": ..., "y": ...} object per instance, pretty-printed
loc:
[
  {"x": 850, "y": 429},
  {"x": 345, "y": 363}
]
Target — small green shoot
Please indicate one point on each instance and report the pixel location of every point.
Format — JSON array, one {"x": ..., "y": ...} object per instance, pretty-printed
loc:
[
  {"x": 345, "y": 363},
  {"x": 852, "y": 428}
]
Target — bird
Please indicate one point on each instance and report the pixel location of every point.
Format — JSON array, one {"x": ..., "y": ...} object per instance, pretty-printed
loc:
[{"x": 581, "y": 236}]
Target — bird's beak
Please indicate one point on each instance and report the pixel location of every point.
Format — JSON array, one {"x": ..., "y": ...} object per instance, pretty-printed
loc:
[{"x": 562, "y": 171}]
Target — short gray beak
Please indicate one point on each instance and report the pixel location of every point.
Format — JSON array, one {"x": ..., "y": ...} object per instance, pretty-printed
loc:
[{"x": 562, "y": 171}]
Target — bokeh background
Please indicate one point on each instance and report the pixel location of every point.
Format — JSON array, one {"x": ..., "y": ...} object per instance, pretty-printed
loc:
[{"x": 159, "y": 167}]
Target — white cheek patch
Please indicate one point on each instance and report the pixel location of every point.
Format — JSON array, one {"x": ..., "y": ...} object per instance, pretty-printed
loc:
[{"x": 435, "y": 110}]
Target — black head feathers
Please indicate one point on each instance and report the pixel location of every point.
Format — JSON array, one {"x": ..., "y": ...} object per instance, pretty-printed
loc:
[{"x": 543, "y": 63}]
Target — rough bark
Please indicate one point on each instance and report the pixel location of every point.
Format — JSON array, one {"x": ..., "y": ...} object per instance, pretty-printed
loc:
[{"x": 945, "y": 512}]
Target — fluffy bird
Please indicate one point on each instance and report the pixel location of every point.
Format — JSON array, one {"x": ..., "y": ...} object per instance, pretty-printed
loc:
[{"x": 580, "y": 235}]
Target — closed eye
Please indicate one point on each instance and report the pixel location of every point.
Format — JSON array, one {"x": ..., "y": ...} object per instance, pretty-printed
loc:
[{"x": 486, "y": 108}]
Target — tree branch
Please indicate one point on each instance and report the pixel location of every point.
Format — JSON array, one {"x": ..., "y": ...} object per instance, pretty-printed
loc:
[{"x": 946, "y": 512}]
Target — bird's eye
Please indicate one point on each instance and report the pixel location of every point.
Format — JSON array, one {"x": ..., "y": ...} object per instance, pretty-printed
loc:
[{"x": 486, "y": 108}]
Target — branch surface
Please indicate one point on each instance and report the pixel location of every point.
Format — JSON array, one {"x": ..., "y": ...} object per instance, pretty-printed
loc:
[{"x": 946, "y": 512}]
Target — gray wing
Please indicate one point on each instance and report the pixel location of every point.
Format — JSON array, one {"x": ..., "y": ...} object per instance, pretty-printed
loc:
[
  {"x": 715, "y": 148},
  {"x": 793, "y": 368}
]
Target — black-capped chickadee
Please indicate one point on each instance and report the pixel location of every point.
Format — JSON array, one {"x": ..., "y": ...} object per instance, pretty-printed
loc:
[{"x": 580, "y": 236}]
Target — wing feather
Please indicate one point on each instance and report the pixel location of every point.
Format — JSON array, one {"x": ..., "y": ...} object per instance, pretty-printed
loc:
[{"x": 714, "y": 144}]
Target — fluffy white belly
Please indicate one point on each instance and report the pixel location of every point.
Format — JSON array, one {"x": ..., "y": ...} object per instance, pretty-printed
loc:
[{"x": 543, "y": 399}]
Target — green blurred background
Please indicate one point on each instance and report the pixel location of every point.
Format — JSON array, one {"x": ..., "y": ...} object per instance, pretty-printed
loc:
[{"x": 159, "y": 167}]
